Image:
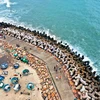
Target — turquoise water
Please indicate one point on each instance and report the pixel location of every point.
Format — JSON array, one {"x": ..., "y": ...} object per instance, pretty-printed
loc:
[{"x": 74, "y": 21}]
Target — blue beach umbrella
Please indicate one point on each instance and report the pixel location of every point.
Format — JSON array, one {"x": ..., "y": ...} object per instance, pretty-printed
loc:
[
  {"x": 4, "y": 66},
  {"x": 14, "y": 80},
  {"x": 16, "y": 66},
  {"x": 30, "y": 86},
  {"x": 7, "y": 88},
  {"x": 2, "y": 78}
]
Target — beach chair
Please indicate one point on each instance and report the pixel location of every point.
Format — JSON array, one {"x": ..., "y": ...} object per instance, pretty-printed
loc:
[{"x": 5, "y": 73}]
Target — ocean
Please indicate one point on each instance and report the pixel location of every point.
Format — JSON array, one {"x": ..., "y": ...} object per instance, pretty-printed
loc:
[{"x": 76, "y": 22}]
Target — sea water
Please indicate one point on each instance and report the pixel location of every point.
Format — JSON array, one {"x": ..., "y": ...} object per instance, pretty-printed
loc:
[{"x": 76, "y": 22}]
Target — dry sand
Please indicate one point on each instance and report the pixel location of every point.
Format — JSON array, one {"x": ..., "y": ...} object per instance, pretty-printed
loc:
[{"x": 34, "y": 95}]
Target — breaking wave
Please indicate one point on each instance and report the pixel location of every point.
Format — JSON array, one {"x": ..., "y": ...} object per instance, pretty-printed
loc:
[{"x": 7, "y": 2}]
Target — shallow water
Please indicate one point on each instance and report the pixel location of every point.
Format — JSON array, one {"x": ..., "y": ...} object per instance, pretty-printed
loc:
[{"x": 73, "y": 21}]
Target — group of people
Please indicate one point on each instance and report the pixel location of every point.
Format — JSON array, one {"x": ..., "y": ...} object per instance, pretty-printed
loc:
[{"x": 85, "y": 81}]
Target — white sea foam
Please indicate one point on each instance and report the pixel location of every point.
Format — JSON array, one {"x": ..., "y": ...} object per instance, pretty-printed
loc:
[
  {"x": 81, "y": 52},
  {"x": 1, "y": 1},
  {"x": 7, "y": 2},
  {"x": 47, "y": 31}
]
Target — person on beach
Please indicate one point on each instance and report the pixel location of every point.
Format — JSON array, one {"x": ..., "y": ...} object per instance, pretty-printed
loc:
[
  {"x": 54, "y": 68},
  {"x": 60, "y": 69},
  {"x": 4, "y": 37},
  {"x": 57, "y": 78},
  {"x": 38, "y": 89},
  {"x": 20, "y": 76}
]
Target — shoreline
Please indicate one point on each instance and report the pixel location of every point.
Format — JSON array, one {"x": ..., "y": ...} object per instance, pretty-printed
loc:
[
  {"x": 73, "y": 64},
  {"x": 78, "y": 53},
  {"x": 75, "y": 49}
]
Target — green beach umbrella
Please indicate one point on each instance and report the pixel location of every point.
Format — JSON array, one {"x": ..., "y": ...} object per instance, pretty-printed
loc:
[
  {"x": 25, "y": 72},
  {"x": 14, "y": 80},
  {"x": 24, "y": 59},
  {"x": 7, "y": 88},
  {"x": 15, "y": 55}
]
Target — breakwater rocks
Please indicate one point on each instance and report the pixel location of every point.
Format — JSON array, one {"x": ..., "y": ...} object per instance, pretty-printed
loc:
[{"x": 84, "y": 83}]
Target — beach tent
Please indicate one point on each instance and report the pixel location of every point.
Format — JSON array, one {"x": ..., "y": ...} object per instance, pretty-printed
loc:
[
  {"x": 7, "y": 88},
  {"x": 1, "y": 84},
  {"x": 17, "y": 87},
  {"x": 4, "y": 66},
  {"x": 30, "y": 86},
  {"x": 2, "y": 78},
  {"x": 16, "y": 66},
  {"x": 25, "y": 72},
  {"x": 24, "y": 59},
  {"x": 14, "y": 80}
]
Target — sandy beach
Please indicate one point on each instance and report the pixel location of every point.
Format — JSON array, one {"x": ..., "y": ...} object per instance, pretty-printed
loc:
[{"x": 23, "y": 81}]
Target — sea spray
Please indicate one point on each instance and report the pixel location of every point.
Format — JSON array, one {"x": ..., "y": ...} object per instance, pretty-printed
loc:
[{"x": 7, "y": 3}]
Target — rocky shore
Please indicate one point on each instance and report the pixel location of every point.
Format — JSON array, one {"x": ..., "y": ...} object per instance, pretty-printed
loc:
[{"x": 84, "y": 82}]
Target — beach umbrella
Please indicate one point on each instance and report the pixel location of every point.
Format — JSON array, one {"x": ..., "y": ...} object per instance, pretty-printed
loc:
[
  {"x": 14, "y": 80},
  {"x": 1, "y": 84},
  {"x": 4, "y": 66},
  {"x": 2, "y": 78},
  {"x": 25, "y": 72},
  {"x": 16, "y": 65},
  {"x": 7, "y": 88},
  {"x": 30, "y": 86},
  {"x": 24, "y": 59},
  {"x": 17, "y": 87},
  {"x": 15, "y": 55}
]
